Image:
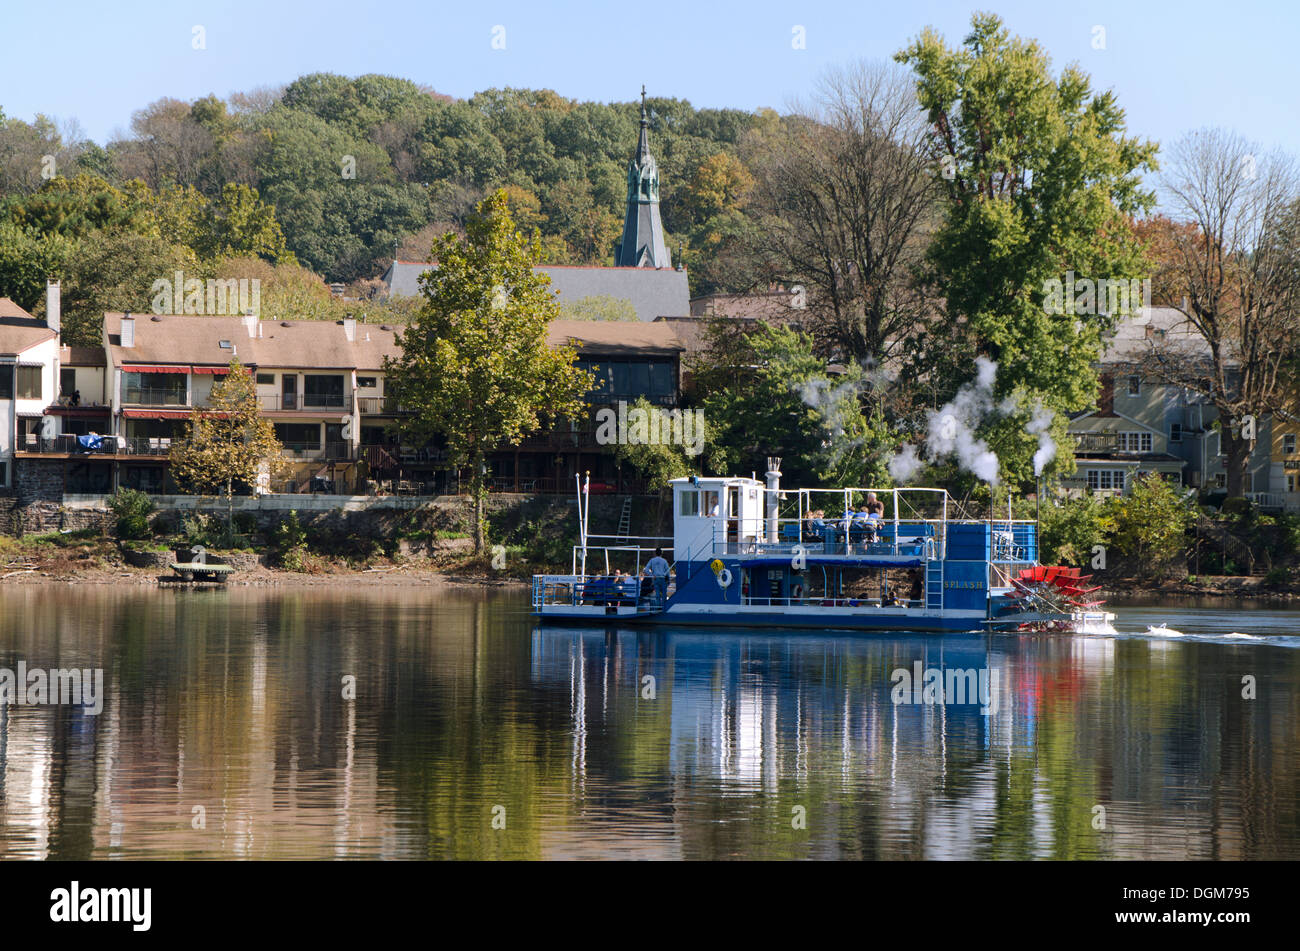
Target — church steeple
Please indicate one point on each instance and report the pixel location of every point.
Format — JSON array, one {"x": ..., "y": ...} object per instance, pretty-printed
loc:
[{"x": 643, "y": 231}]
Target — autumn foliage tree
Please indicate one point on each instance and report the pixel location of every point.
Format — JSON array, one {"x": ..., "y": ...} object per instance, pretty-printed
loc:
[
  {"x": 1228, "y": 258},
  {"x": 475, "y": 365},
  {"x": 228, "y": 441}
]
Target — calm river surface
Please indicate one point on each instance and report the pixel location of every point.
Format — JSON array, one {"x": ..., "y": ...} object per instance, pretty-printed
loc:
[{"x": 476, "y": 734}]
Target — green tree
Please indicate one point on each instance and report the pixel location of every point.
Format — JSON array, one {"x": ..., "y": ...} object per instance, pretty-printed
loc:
[
  {"x": 598, "y": 307},
  {"x": 1151, "y": 524},
  {"x": 228, "y": 442},
  {"x": 766, "y": 393},
  {"x": 1071, "y": 528},
  {"x": 475, "y": 365},
  {"x": 1039, "y": 180}
]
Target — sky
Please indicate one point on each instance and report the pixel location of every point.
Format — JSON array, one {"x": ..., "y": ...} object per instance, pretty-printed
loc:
[{"x": 1174, "y": 66}]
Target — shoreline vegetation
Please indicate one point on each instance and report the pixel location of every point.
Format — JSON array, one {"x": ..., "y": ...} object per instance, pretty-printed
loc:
[{"x": 90, "y": 557}]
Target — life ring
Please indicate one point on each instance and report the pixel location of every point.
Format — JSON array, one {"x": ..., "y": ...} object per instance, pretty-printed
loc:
[
  {"x": 796, "y": 591},
  {"x": 724, "y": 578}
]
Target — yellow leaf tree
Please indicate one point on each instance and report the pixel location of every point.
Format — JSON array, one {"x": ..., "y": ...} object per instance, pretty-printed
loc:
[{"x": 227, "y": 442}]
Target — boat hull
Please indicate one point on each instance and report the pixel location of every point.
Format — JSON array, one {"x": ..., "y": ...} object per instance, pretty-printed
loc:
[{"x": 866, "y": 620}]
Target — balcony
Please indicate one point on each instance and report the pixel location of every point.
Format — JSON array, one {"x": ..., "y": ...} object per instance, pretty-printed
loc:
[
  {"x": 68, "y": 444},
  {"x": 329, "y": 452},
  {"x": 378, "y": 406},
  {"x": 154, "y": 396},
  {"x": 561, "y": 439},
  {"x": 312, "y": 403}
]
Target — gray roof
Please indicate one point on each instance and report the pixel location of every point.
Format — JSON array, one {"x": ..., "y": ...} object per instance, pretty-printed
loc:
[
  {"x": 1136, "y": 336},
  {"x": 653, "y": 292}
]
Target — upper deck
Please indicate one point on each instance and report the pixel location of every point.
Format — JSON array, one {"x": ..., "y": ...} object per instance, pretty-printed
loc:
[{"x": 739, "y": 517}]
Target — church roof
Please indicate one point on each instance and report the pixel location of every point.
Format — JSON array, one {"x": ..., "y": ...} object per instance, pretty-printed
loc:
[{"x": 653, "y": 292}]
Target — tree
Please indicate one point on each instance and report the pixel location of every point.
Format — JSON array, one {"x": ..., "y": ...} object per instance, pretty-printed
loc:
[
  {"x": 1150, "y": 524},
  {"x": 1039, "y": 180},
  {"x": 115, "y": 271},
  {"x": 766, "y": 393},
  {"x": 475, "y": 365},
  {"x": 1229, "y": 261},
  {"x": 227, "y": 442},
  {"x": 598, "y": 307},
  {"x": 845, "y": 196}
]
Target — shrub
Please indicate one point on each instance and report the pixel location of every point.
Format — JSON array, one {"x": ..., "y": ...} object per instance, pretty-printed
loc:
[
  {"x": 289, "y": 542},
  {"x": 1151, "y": 524},
  {"x": 132, "y": 510},
  {"x": 1072, "y": 528},
  {"x": 198, "y": 529}
]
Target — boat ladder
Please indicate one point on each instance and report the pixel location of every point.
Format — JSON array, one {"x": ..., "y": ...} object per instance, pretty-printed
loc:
[
  {"x": 934, "y": 585},
  {"x": 625, "y": 518}
]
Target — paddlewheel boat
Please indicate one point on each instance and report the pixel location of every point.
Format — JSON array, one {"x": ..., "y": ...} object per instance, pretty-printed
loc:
[{"x": 753, "y": 554}]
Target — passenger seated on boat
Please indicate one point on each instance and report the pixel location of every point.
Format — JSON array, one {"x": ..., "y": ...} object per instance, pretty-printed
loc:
[
  {"x": 875, "y": 506},
  {"x": 891, "y": 599},
  {"x": 815, "y": 526},
  {"x": 862, "y": 527}
]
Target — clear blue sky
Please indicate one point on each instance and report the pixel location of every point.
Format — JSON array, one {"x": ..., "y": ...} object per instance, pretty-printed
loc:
[{"x": 1175, "y": 66}]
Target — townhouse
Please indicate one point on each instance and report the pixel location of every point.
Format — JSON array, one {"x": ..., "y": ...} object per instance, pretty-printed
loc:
[{"x": 1142, "y": 424}]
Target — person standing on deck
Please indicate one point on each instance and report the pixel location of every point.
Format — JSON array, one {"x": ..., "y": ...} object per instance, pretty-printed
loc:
[{"x": 657, "y": 567}]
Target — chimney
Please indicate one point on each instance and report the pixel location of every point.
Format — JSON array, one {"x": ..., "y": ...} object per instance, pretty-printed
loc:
[
  {"x": 128, "y": 331},
  {"x": 53, "y": 313},
  {"x": 250, "y": 324},
  {"x": 350, "y": 329},
  {"x": 1106, "y": 398}
]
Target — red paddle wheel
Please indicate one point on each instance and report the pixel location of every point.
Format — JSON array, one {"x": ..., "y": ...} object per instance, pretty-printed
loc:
[{"x": 1053, "y": 589}]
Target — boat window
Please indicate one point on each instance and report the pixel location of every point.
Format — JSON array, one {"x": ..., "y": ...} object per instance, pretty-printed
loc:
[
  {"x": 710, "y": 503},
  {"x": 690, "y": 504}
]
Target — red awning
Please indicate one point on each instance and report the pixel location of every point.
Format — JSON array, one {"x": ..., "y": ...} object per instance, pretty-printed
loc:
[
  {"x": 143, "y": 368},
  {"x": 157, "y": 413}
]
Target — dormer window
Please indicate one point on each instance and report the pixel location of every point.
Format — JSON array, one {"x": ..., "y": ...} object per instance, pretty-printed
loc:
[{"x": 224, "y": 344}]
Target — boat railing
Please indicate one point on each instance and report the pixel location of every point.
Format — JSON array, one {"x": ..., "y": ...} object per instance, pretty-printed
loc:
[
  {"x": 809, "y": 601},
  {"x": 614, "y": 591},
  {"x": 913, "y": 538}
]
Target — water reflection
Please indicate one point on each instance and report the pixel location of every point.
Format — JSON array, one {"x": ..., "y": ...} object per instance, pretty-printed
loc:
[{"x": 226, "y": 733}]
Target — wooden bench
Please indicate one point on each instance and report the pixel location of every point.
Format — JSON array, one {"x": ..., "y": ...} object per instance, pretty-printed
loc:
[{"x": 201, "y": 571}]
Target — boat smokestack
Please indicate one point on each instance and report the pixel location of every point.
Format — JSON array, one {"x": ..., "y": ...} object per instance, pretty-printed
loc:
[{"x": 773, "y": 494}]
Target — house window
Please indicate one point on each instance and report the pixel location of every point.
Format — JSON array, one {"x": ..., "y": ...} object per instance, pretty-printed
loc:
[
  {"x": 1134, "y": 442},
  {"x": 1220, "y": 480},
  {"x": 4, "y": 474},
  {"x": 322, "y": 390},
  {"x": 367, "y": 382},
  {"x": 1134, "y": 386},
  {"x": 1288, "y": 444},
  {"x": 67, "y": 381},
  {"x": 1105, "y": 479},
  {"x": 28, "y": 383},
  {"x": 1290, "y": 481},
  {"x": 1175, "y": 432},
  {"x": 154, "y": 389},
  {"x": 6, "y": 381},
  {"x": 298, "y": 437},
  {"x": 266, "y": 379}
]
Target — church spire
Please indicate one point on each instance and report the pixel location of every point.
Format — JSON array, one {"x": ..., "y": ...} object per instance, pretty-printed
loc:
[{"x": 643, "y": 231}]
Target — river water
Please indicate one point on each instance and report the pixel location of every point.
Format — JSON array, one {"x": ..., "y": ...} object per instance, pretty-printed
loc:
[{"x": 427, "y": 722}]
